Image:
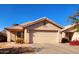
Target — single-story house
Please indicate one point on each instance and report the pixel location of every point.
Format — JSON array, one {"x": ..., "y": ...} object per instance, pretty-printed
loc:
[{"x": 42, "y": 30}]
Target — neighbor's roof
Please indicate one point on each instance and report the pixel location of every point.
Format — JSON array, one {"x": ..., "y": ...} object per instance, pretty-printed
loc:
[
  {"x": 15, "y": 27},
  {"x": 3, "y": 33},
  {"x": 68, "y": 27},
  {"x": 26, "y": 24}
]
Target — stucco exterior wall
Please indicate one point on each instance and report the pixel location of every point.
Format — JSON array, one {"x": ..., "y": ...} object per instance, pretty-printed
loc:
[
  {"x": 26, "y": 36},
  {"x": 59, "y": 37},
  {"x": 13, "y": 36},
  {"x": 63, "y": 34},
  {"x": 8, "y": 36}
]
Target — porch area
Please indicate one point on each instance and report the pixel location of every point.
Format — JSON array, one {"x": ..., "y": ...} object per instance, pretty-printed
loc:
[{"x": 17, "y": 35}]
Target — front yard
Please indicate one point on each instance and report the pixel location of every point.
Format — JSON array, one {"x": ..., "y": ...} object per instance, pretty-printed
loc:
[
  {"x": 56, "y": 48},
  {"x": 13, "y": 48}
]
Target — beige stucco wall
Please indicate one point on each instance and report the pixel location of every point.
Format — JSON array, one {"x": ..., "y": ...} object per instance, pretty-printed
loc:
[
  {"x": 26, "y": 36},
  {"x": 63, "y": 34},
  {"x": 10, "y": 36},
  {"x": 13, "y": 36},
  {"x": 59, "y": 37}
]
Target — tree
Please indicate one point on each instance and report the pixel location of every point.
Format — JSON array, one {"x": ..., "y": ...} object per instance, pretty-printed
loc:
[{"x": 75, "y": 19}]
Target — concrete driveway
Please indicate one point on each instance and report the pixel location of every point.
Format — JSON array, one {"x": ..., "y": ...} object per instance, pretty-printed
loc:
[
  {"x": 57, "y": 48},
  {"x": 45, "y": 48}
]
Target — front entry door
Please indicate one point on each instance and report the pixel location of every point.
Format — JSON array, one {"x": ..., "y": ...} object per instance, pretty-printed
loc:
[
  {"x": 19, "y": 35},
  {"x": 70, "y": 35}
]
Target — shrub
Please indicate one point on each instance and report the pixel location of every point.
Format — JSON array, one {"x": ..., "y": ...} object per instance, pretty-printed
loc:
[
  {"x": 29, "y": 49},
  {"x": 20, "y": 41},
  {"x": 17, "y": 50},
  {"x": 74, "y": 42},
  {"x": 64, "y": 40}
]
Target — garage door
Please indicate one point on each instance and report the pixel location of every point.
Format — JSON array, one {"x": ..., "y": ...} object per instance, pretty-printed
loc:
[{"x": 45, "y": 37}]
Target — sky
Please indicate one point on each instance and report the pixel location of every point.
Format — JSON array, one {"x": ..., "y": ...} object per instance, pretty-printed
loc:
[{"x": 19, "y": 13}]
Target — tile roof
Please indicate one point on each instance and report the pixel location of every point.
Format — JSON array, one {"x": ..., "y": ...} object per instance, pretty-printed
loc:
[{"x": 20, "y": 26}]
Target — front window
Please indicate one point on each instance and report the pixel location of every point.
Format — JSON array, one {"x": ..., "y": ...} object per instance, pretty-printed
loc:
[
  {"x": 45, "y": 23},
  {"x": 20, "y": 34}
]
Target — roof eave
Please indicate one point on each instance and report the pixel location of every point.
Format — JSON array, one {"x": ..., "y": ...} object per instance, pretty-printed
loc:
[{"x": 42, "y": 20}]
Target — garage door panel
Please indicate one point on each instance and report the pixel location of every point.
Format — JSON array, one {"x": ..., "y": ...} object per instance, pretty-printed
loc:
[{"x": 45, "y": 37}]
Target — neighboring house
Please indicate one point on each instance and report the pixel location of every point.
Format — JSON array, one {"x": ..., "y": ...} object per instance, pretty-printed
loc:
[
  {"x": 42, "y": 30},
  {"x": 3, "y": 36},
  {"x": 69, "y": 31}
]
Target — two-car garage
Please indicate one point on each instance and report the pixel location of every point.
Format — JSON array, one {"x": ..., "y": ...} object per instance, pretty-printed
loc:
[{"x": 44, "y": 36}]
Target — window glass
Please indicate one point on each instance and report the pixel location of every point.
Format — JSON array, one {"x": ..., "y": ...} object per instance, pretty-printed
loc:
[
  {"x": 45, "y": 23},
  {"x": 20, "y": 34}
]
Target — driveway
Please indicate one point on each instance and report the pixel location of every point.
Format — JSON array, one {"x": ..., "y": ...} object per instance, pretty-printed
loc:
[
  {"x": 44, "y": 48},
  {"x": 56, "y": 48}
]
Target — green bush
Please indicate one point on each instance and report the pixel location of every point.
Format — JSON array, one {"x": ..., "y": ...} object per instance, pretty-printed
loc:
[
  {"x": 64, "y": 40},
  {"x": 21, "y": 41}
]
